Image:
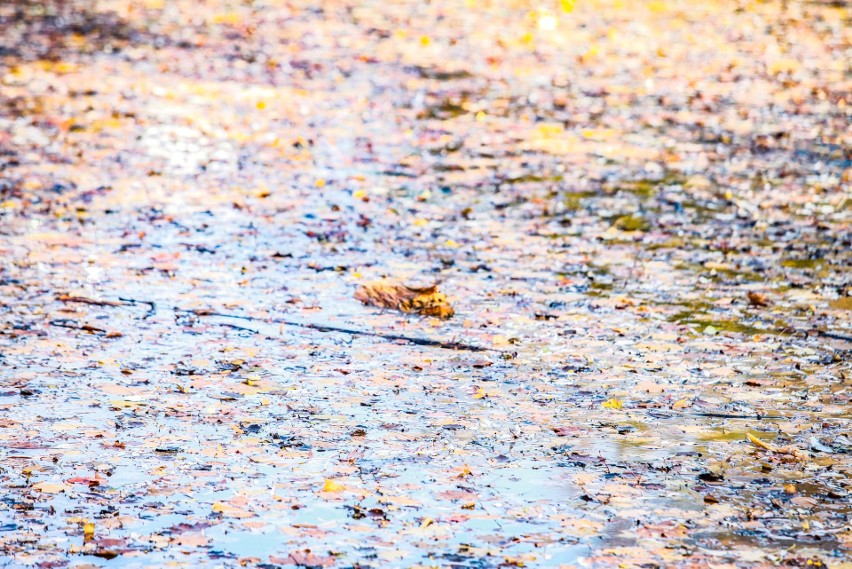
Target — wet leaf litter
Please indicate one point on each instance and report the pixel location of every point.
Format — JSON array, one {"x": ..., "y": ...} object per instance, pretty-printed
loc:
[{"x": 220, "y": 344}]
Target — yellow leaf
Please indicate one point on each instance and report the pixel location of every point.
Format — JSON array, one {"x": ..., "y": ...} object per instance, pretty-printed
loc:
[
  {"x": 427, "y": 522},
  {"x": 332, "y": 486},
  {"x": 680, "y": 404},
  {"x": 231, "y": 511},
  {"x": 567, "y": 6},
  {"x": 757, "y": 442},
  {"x": 228, "y": 18},
  {"x": 125, "y": 404},
  {"x": 480, "y": 393},
  {"x": 464, "y": 471},
  {"x": 612, "y": 404},
  {"x": 550, "y": 130},
  {"x": 88, "y": 531},
  {"x": 783, "y": 66}
]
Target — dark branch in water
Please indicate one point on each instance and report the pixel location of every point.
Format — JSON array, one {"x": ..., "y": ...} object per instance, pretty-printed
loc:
[
  {"x": 99, "y": 302},
  {"x": 324, "y": 328},
  {"x": 318, "y": 327},
  {"x": 665, "y": 413},
  {"x": 151, "y": 310},
  {"x": 68, "y": 323},
  {"x": 835, "y": 336}
]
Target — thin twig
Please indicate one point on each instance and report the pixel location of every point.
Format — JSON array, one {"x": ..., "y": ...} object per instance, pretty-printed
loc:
[
  {"x": 835, "y": 336},
  {"x": 86, "y": 300},
  {"x": 70, "y": 324},
  {"x": 324, "y": 328},
  {"x": 235, "y": 327},
  {"x": 672, "y": 413},
  {"x": 757, "y": 416},
  {"x": 134, "y": 301},
  {"x": 122, "y": 301}
]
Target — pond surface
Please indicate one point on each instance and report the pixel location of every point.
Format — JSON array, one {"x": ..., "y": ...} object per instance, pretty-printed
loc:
[{"x": 639, "y": 212}]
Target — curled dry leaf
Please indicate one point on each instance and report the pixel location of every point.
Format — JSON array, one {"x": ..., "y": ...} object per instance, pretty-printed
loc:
[
  {"x": 757, "y": 299},
  {"x": 426, "y": 301},
  {"x": 791, "y": 451}
]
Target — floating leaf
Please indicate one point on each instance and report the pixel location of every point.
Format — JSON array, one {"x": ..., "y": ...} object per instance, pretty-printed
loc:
[
  {"x": 230, "y": 511},
  {"x": 50, "y": 487},
  {"x": 427, "y": 301},
  {"x": 757, "y": 299},
  {"x": 787, "y": 450},
  {"x": 333, "y": 486},
  {"x": 757, "y": 442}
]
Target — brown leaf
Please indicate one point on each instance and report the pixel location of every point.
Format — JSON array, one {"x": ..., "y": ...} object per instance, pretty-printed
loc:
[
  {"x": 791, "y": 451},
  {"x": 304, "y": 559},
  {"x": 757, "y": 299},
  {"x": 426, "y": 301}
]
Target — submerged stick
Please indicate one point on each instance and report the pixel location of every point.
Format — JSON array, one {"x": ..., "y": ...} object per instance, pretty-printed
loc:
[
  {"x": 122, "y": 301},
  {"x": 152, "y": 307},
  {"x": 350, "y": 331},
  {"x": 72, "y": 325},
  {"x": 87, "y": 300},
  {"x": 666, "y": 413},
  {"x": 835, "y": 336},
  {"x": 428, "y": 342}
]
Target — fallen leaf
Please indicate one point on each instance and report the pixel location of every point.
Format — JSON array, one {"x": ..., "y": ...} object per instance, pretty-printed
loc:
[
  {"x": 426, "y": 301},
  {"x": 332, "y": 486},
  {"x": 230, "y": 511},
  {"x": 787, "y": 450},
  {"x": 757, "y": 442},
  {"x": 757, "y": 299},
  {"x": 303, "y": 559},
  {"x": 191, "y": 540},
  {"x": 88, "y": 531},
  {"x": 50, "y": 487}
]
